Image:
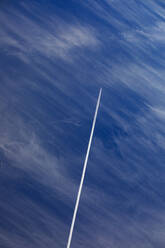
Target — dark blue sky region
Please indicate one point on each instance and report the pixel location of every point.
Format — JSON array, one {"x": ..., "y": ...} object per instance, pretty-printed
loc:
[{"x": 54, "y": 57}]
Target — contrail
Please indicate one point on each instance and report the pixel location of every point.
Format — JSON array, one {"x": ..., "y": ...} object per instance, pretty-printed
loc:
[{"x": 83, "y": 173}]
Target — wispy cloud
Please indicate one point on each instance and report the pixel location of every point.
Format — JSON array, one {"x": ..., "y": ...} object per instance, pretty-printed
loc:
[
  {"x": 46, "y": 112},
  {"x": 28, "y": 39},
  {"x": 153, "y": 34}
]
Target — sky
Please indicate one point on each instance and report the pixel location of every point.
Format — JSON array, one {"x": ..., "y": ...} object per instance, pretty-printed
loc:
[{"x": 55, "y": 55}]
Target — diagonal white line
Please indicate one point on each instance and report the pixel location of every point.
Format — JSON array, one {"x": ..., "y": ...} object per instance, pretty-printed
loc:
[{"x": 84, "y": 170}]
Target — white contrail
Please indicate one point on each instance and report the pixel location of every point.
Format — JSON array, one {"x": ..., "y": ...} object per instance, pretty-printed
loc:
[{"x": 83, "y": 173}]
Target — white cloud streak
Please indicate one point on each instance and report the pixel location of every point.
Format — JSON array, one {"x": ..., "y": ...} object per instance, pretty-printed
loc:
[
  {"x": 24, "y": 147},
  {"x": 29, "y": 39}
]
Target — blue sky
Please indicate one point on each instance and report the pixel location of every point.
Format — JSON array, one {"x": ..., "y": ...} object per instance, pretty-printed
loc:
[{"x": 55, "y": 56}]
